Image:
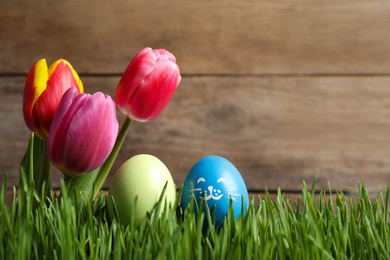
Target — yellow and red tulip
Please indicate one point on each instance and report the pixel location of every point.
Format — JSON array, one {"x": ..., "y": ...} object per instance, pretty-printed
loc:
[
  {"x": 147, "y": 84},
  {"x": 43, "y": 91}
]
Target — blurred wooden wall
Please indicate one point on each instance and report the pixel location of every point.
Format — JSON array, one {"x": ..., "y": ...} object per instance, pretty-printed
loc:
[{"x": 285, "y": 90}]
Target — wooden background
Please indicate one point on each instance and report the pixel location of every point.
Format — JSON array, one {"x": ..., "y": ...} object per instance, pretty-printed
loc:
[{"x": 286, "y": 90}]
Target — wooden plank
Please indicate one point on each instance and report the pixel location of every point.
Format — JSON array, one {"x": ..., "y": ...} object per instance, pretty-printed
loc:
[
  {"x": 278, "y": 131},
  {"x": 207, "y": 36}
]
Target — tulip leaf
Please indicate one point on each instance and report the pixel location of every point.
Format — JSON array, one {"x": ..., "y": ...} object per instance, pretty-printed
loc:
[
  {"x": 27, "y": 165},
  {"x": 26, "y": 180},
  {"x": 82, "y": 185},
  {"x": 36, "y": 167},
  {"x": 26, "y": 171}
]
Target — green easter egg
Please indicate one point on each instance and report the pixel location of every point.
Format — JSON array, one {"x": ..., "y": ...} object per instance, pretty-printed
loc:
[{"x": 142, "y": 176}]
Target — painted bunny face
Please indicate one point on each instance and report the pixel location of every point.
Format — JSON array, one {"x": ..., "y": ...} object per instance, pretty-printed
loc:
[
  {"x": 207, "y": 192},
  {"x": 216, "y": 181}
]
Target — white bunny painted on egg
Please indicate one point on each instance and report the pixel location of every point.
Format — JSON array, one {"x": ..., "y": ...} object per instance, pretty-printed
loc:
[{"x": 214, "y": 192}]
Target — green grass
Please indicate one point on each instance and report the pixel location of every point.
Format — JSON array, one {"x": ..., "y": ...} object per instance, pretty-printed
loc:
[{"x": 58, "y": 228}]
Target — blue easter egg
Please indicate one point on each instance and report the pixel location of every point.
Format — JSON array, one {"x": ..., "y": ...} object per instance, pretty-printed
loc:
[{"x": 215, "y": 180}]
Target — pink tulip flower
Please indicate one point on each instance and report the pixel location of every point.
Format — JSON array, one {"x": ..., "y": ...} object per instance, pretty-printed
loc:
[
  {"x": 147, "y": 84},
  {"x": 83, "y": 132}
]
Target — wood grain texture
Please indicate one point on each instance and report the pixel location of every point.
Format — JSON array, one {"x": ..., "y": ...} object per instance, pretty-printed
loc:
[
  {"x": 285, "y": 90},
  {"x": 278, "y": 131},
  {"x": 207, "y": 36}
]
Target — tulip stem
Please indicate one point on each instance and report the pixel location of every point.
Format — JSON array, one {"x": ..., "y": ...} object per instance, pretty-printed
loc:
[{"x": 106, "y": 167}]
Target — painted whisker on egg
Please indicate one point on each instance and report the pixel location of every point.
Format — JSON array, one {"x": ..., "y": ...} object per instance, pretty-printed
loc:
[
  {"x": 231, "y": 196},
  {"x": 197, "y": 189}
]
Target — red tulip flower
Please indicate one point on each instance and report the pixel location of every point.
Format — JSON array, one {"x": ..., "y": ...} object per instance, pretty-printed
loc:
[
  {"x": 83, "y": 132},
  {"x": 147, "y": 84},
  {"x": 43, "y": 91}
]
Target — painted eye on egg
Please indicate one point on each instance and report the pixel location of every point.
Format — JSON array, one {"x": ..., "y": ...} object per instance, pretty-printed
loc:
[
  {"x": 221, "y": 179},
  {"x": 201, "y": 180}
]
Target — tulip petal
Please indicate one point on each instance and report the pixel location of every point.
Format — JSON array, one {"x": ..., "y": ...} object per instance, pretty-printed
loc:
[
  {"x": 40, "y": 78},
  {"x": 92, "y": 134},
  {"x": 163, "y": 54},
  {"x": 68, "y": 107},
  {"x": 141, "y": 65},
  {"x": 157, "y": 89},
  {"x": 35, "y": 85},
  {"x": 62, "y": 62}
]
